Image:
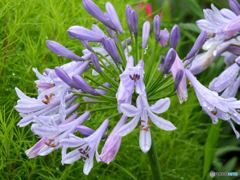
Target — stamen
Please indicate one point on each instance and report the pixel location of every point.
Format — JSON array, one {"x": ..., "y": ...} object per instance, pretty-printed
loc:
[
  {"x": 48, "y": 98},
  {"x": 214, "y": 112},
  {"x": 51, "y": 143},
  {"x": 135, "y": 77},
  {"x": 84, "y": 152}
]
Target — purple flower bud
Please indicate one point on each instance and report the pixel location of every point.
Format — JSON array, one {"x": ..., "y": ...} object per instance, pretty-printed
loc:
[
  {"x": 163, "y": 37},
  {"x": 80, "y": 83},
  {"x": 84, "y": 34},
  {"x": 113, "y": 17},
  {"x": 94, "y": 10},
  {"x": 175, "y": 36},
  {"x": 111, "y": 48},
  {"x": 197, "y": 45},
  {"x": 169, "y": 60},
  {"x": 132, "y": 20},
  {"x": 178, "y": 79},
  {"x": 83, "y": 67},
  {"x": 235, "y": 6},
  {"x": 62, "y": 51},
  {"x": 84, "y": 130},
  {"x": 97, "y": 30},
  {"x": 156, "y": 27},
  {"x": 96, "y": 63},
  {"x": 109, "y": 19},
  {"x": 145, "y": 34},
  {"x": 64, "y": 76}
]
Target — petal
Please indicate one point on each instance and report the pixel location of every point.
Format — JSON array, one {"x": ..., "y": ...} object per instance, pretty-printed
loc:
[
  {"x": 72, "y": 141},
  {"x": 33, "y": 151},
  {"x": 234, "y": 129},
  {"x": 127, "y": 128},
  {"x": 161, "y": 123},
  {"x": 88, "y": 165},
  {"x": 145, "y": 140},
  {"x": 160, "y": 106},
  {"x": 129, "y": 110},
  {"x": 71, "y": 157},
  {"x": 46, "y": 150}
]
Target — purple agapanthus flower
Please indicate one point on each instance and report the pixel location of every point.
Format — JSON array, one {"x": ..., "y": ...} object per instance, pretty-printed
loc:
[
  {"x": 224, "y": 23},
  {"x": 132, "y": 76},
  {"x": 179, "y": 77},
  {"x": 51, "y": 132},
  {"x": 141, "y": 114},
  {"x": 84, "y": 148},
  {"x": 226, "y": 78},
  {"x": 214, "y": 105},
  {"x": 113, "y": 142},
  {"x": 117, "y": 76}
]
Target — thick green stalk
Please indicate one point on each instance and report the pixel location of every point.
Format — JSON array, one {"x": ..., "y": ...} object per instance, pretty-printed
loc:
[{"x": 155, "y": 167}]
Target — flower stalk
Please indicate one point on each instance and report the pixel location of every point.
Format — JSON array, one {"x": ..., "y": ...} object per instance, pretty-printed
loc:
[{"x": 154, "y": 163}]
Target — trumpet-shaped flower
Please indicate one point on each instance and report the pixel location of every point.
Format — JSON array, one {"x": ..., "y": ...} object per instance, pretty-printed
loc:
[
  {"x": 143, "y": 113},
  {"x": 84, "y": 148},
  {"x": 132, "y": 76},
  {"x": 226, "y": 78},
  {"x": 51, "y": 132},
  {"x": 214, "y": 105},
  {"x": 223, "y": 23}
]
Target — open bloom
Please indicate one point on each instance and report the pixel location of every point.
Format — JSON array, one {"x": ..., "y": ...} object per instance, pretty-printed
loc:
[
  {"x": 226, "y": 78},
  {"x": 214, "y": 105},
  {"x": 142, "y": 113},
  {"x": 132, "y": 76},
  {"x": 84, "y": 148},
  {"x": 224, "y": 23},
  {"x": 51, "y": 129}
]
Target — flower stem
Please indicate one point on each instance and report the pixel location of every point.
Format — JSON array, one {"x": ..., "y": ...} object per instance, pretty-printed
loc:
[{"x": 152, "y": 156}]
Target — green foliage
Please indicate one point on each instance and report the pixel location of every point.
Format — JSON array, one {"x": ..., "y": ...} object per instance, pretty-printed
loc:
[{"x": 24, "y": 27}]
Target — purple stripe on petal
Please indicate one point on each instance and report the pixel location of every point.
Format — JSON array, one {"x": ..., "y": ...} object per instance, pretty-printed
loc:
[
  {"x": 235, "y": 6},
  {"x": 178, "y": 79}
]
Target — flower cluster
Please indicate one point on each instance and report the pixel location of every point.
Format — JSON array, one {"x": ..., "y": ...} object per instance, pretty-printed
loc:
[{"x": 121, "y": 74}]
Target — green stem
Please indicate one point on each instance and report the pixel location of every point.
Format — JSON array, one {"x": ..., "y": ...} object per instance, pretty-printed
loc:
[{"x": 155, "y": 167}]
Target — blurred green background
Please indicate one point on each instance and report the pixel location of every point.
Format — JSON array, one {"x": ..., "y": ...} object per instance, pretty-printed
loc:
[{"x": 188, "y": 153}]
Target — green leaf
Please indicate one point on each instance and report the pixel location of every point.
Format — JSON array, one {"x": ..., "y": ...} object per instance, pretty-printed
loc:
[
  {"x": 210, "y": 147},
  {"x": 224, "y": 150},
  {"x": 194, "y": 6},
  {"x": 189, "y": 27},
  {"x": 229, "y": 166}
]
